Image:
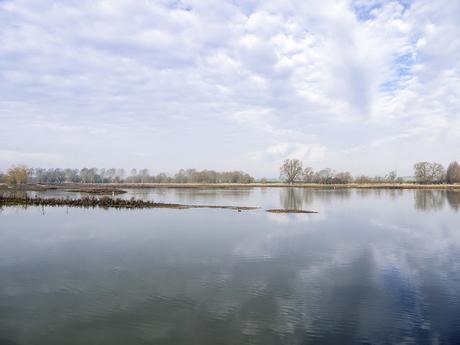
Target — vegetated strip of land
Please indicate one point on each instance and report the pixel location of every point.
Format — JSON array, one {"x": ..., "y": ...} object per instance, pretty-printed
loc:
[
  {"x": 97, "y": 190},
  {"x": 116, "y": 188},
  {"x": 283, "y": 210},
  {"x": 106, "y": 202}
]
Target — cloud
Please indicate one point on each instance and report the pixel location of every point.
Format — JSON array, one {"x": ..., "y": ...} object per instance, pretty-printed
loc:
[
  {"x": 275, "y": 154},
  {"x": 17, "y": 157},
  {"x": 341, "y": 74}
]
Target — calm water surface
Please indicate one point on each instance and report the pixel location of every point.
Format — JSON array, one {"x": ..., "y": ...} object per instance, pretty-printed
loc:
[{"x": 372, "y": 267}]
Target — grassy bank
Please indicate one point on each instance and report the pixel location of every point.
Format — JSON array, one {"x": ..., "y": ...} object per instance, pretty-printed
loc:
[{"x": 94, "y": 188}]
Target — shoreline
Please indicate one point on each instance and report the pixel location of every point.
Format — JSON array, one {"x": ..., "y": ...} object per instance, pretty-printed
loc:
[{"x": 96, "y": 188}]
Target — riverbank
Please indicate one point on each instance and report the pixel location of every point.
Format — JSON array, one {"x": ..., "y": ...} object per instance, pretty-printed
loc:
[{"x": 116, "y": 188}]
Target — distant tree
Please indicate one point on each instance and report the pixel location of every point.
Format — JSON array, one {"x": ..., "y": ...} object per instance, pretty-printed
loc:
[
  {"x": 422, "y": 172},
  {"x": 72, "y": 175},
  {"x": 59, "y": 175},
  {"x": 162, "y": 178},
  {"x": 95, "y": 176},
  {"x": 144, "y": 175},
  {"x": 17, "y": 174},
  {"x": 111, "y": 174},
  {"x": 291, "y": 170},
  {"x": 438, "y": 173},
  {"x": 426, "y": 172},
  {"x": 363, "y": 179},
  {"x": 391, "y": 176},
  {"x": 84, "y": 175},
  {"x": 40, "y": 175},
  {"x": 133, "y": 177},
  {"x": 325, "y": 176},
  {"x": 453, "y": 173},
  {"x": 343, "y": 177},
  {"x": 378, "y": 179},
  {"x": 181, "y": 176},
  {"x": 120, "y": 176},
  {"x": 308, "y": 175},
  {"x": 103, "y": 175}
]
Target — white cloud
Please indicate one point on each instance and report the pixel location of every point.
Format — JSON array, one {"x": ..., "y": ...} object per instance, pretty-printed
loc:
[
  {"x": 340, "y": 74},
  {"x": 18, "y": 157},
  {"x": 272, "y": 156}
]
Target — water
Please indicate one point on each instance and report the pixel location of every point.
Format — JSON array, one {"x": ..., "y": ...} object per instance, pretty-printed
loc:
[{"x": 372, "y": 267}]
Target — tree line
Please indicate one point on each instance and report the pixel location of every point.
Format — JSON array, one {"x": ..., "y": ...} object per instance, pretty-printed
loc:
[
  {"x": 22, "y": 174},
  {"x": 292, "y": 171}
]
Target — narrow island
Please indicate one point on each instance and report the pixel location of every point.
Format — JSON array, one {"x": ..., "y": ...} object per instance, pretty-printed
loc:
[
  {"x": 107, "y": 202},
  {"x": 281, "y": 210}
]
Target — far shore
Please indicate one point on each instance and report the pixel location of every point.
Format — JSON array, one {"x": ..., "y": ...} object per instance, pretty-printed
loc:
[{"x": 95, "y": 188}]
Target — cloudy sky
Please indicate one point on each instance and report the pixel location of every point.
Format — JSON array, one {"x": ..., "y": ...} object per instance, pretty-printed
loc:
[{"x": 365, "y": 86}]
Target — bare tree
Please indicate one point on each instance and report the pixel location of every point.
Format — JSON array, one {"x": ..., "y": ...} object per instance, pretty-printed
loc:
[
  {"x": 438, "y": 173},
  {"x": 308, "y": 175},
  {"x": 291, "y": 170},
  {"x": 426, "y": 172},
  {"x": 144, "y": 175},
  {"x": 453, "y": 173},
  {"x": 120, "y": 176},
  {"x": 71, "y": 175},
  {"x": 422, "y": 172},
  {"x": 111, "y": 173},
  {"x": 391, "y": 176},
  {"x": 17, "y": 174},
  {"x": 343, "y": 177},
  {"x": 325, "y": 176}
]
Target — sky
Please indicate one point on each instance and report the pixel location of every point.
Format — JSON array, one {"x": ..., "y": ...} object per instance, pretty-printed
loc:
[{"x": 354, "y": 85}]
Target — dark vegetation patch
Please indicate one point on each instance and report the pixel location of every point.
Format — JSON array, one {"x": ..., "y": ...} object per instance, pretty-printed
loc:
[
  {"x": 106, "y": 202},
  {"x": 280, "y": 210},
  {"x": 99, "y": 191}
]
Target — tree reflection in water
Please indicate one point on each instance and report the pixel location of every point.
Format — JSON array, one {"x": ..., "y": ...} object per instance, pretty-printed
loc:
[
  {"x": 453, "y": 198},
  {"x": 427, "y": 200},
  {"x": 299, "y": 198}
]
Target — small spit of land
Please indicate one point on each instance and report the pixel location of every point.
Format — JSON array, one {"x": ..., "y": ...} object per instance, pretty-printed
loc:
[
  {"x": 107, "y": 202},
  {"x": 282, "y": 210},
  {"x": 99, "y": 191}
]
